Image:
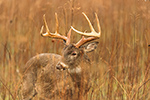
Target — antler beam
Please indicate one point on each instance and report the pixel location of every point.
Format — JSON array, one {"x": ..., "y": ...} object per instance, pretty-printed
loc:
[
  {"x": 56, "y": 34},
  {"x": 93, "y": 34}
]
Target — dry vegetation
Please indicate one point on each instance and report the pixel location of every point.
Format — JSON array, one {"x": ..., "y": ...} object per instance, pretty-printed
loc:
[{"x": 122, "y": 58}]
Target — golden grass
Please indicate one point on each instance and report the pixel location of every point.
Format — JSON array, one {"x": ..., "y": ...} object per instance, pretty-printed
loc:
[{"x": 122, "y": 57}]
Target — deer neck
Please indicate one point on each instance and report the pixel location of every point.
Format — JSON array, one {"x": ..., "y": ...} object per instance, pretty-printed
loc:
[
  {"x": 76, "y": 70},
  {"x": 75, "y": 74}
]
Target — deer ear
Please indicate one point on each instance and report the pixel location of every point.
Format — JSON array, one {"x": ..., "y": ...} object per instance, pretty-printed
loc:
[{"x": 90, "y": 47}]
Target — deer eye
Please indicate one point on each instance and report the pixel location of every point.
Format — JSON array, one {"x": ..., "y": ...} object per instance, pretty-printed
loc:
[{"x": 73, "y": 53}]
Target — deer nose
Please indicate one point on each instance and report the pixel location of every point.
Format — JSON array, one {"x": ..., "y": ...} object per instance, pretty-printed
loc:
[{"x": 61, "y": 66}]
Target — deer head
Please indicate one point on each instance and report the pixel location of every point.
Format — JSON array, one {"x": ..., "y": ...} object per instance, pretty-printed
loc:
[{"x": 74, "y": 54}]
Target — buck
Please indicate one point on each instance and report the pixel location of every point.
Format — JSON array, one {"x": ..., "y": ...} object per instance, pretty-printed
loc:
[{"x": 49, "y": 75}]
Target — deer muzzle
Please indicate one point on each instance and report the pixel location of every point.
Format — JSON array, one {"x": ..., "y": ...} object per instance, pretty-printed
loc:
[{"x": 61, "y": 66}]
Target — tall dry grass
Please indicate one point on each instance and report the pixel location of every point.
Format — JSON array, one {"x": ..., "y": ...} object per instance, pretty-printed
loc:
[{"x": 122, "y": 58}]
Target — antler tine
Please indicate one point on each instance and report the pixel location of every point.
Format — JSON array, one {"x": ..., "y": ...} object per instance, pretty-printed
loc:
[
  {"x": 68, "y": 37},
  {"x": 48, "y": 33},
  {"x": 98, "y": 24},
  {"x": 57, "y": 24},
  {"x": 47, "y": 29},
  {"x": 91, "y": 27}
]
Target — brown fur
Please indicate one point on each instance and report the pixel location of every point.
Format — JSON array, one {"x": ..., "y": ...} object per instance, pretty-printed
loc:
[{"x": 41, "y": 79}]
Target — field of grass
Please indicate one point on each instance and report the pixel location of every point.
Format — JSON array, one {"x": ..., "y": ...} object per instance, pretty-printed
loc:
[{"x": 122, "y": 58}]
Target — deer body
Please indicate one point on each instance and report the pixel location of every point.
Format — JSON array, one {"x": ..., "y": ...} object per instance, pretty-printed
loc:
[{"x": 43, "y": 76}]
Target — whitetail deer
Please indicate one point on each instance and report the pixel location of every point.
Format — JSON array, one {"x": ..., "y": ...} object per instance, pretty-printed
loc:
[{"x": 42, "y": 75}]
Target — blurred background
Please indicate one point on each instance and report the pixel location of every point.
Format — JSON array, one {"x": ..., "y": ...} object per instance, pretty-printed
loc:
[{"x": 122, "y": 58}]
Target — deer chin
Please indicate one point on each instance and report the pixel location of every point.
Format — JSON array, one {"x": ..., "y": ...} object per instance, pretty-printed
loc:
[{"x": 76, "y": 70}]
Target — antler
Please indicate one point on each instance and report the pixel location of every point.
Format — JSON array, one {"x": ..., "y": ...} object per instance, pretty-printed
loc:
[
  {"x": 94, "y": 35},
  {"x": 56, "y": 34}
]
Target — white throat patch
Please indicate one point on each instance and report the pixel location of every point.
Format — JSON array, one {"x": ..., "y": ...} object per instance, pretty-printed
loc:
[{"x": 75, "y": 70}]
